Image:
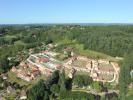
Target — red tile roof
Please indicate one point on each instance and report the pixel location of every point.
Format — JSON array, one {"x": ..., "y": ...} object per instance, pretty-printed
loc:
[{"x": 43, "y": 59}]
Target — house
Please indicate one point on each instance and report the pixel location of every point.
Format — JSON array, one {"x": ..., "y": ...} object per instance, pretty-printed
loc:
[
  {"x": 48, "y": 72},
  {"x": 68, "y": 51},
  {"x": 13, "y": 69},
  {"x": 35, "y": 73},
  {"x": 10, "y": 89},
  {"x": 95, "y": 63},
  {"x": 4, "y": 76},
  {"x": 22, "y": 63},
  {"x": 50, "y": 53},
  {"x": 23, "y": 95},
  {"x": 30, "y": 51},
  {"x": 50, "y": 45},
  {"x": 89, "y": 65},
  {"x": 95, "y": 74},
  {"x": 24, "y": 76},
  {"x": 58, "y": 66},
  {"x": 45, "y": 59},
  {"x": 72, "y": 72},
  {"x": 82, "y": 58},
  {"x": 27, "y": 78}
]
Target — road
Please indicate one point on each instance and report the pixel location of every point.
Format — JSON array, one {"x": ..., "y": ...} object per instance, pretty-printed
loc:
[{"x": 94, "y": 92}]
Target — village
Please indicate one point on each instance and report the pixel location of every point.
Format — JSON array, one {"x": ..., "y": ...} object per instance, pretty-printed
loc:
[
  {"x": 46, "y": 62},
  {"x": 36, "y": 64}
]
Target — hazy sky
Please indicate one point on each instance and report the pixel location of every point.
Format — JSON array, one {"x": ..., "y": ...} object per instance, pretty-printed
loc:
[{"x": 66, "y": 11}]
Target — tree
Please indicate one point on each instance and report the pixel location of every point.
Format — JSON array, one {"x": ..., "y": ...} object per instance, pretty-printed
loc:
[
  {"x": 53, "y": 79},
  {"x": 62, "y": 81},
  {"x": 130, "y": 97},
  {"x": 125, "y": 78},
  {"x": 37, "y": 92},
  {"x": 76, "y": 95},
  {"x": 1, "y": 82},
  {"x": 55, "y": 89},
  {"x": 4, "y": 64},
  {"x": 97, "y": 86},
  {"x": 82, "y": 80},
  {"x": 46, "y": 96},
  {"x": 68, "y": 83}
]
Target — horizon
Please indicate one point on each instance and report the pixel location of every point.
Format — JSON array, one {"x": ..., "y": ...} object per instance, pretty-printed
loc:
[
  {"x": 68, "y": 24},
  {"x": 70, "y": 11}
]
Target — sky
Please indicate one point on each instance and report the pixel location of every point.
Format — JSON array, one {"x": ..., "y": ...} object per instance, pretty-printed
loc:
[{"x": 65, "y": 11}]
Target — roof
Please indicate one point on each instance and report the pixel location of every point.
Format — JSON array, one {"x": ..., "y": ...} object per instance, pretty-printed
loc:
[
  {"x": 23, "y": 95},
  {"x": 45, "y": 59},
  {"x": 10, "y": 89},
  {"x": 35, "y": 72}
]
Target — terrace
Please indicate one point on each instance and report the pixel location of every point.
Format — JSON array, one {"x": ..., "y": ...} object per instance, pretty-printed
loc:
[
  {"x": 99, "y": 70},
  {"x": 106, "y": 67},
  {"x": 79, "y": 63}
]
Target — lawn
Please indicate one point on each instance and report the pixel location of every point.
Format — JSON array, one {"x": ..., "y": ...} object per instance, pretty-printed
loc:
[
  {"x": 20, "y": 42},
  {"x": 130, "y": 92},
  {"x": 94, "y": 54},
  {"x": 79, "y": 49},
  {"x": 79, "y": 63},
  {"x": 82, "y": 73}
]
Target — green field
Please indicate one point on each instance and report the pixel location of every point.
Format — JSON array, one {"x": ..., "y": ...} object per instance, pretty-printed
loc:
[
  {"x": 130, "y": 92},
  {"x": 79, "y": 49},
  {"x": 20, "y": 43}
]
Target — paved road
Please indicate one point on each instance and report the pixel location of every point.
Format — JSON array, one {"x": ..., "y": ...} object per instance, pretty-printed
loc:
[{"x": 96, "y": 93}]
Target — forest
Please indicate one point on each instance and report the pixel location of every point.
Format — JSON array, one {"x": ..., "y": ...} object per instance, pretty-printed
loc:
[{"x": 112, "y": 40}]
